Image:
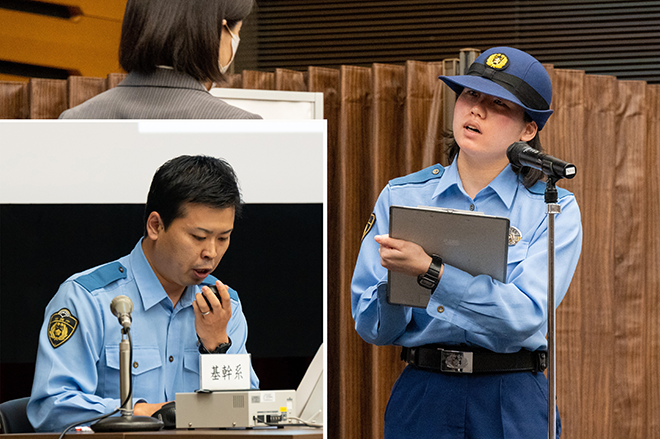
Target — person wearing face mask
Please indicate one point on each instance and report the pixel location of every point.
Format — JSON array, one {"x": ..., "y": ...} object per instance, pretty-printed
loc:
[{"x": 173, "y": 52}]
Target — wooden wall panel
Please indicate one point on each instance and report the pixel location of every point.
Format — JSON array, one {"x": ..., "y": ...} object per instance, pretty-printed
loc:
[
  {"x": 81, "y": 88},
  {"x": 326, "y": 81},
  {"x": 14, "y": 103},
  {"x": 258, "y": 80},
  {"x": 387, "y": 154},
  {"x": 422, "y": 123},
  {"x": 386, "y": 161},
  {"x": 651, "y": 314},
  {"x": 563, "y": 131},
  {"x": 48, "y": 98},
  {"x": 563, "y": 136},
  {"x": 289, "y": 80},
  {"x": 354, "y": 142},
  {"x": 629, "y": 255},
  {"x": 589, "y": 383}
]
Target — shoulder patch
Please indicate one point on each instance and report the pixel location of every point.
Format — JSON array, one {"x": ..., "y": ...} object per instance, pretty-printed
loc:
[
  {"x": 370, "y": 224},
  {"x": 102, "y": 276},
  {"x": 210, "y": 280},
  {"x": 422, "y": 176},
  {"x": 61, "y": 327}
]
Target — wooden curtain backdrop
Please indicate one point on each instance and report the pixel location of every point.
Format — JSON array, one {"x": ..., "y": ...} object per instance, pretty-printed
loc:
[{"x": 383, "y": 122}]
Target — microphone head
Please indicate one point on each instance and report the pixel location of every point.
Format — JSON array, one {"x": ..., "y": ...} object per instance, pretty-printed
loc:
[
  {"x": 121, "y": 305},
  {"x": 513, "y": 152}
]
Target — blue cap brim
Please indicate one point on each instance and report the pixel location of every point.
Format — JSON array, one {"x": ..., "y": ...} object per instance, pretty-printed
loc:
[{"x": 483, "y": 85}]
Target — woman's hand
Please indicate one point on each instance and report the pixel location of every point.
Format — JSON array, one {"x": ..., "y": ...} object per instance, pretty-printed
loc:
[{"x": 403, "y": 256}]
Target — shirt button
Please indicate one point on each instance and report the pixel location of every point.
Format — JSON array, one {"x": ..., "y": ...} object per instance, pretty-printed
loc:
[
  {"x": 441, "y": 309},
  {"x": 436, "y": 171},
  {"x": 471, "y": 206},
  {"x": 135, "y": 364},
  {"x": 171, "y": 358}
]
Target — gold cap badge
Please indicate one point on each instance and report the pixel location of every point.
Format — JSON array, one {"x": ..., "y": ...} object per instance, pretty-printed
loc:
[
  {"x": 498, "y": 61},
  {"x": 61, "y": 327}
]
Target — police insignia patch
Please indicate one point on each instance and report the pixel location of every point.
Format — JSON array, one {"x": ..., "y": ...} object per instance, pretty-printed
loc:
[
  {"x": 498, "y": 61},
  {"x": 514, "y": 235},
  {"x": 61, "y": 327},
  {"x": 370, "y": 224}
]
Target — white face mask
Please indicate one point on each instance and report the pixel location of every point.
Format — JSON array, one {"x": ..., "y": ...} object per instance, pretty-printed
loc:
[{"x": 234, "y": 47}]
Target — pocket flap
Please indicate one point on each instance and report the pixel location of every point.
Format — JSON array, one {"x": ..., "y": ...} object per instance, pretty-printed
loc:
[
  {"x": 191, "y": 360},
  {"x": 145, "y": 358}
]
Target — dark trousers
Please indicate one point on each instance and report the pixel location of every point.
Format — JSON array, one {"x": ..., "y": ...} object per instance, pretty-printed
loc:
[{"x": 465, "y": 406}]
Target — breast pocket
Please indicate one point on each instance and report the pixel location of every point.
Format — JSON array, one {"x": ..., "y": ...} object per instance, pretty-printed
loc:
[
  {"x": 146, "y": 368},
  {"x": 516, "y": 254},
  {"x": 191, "y": 370}
]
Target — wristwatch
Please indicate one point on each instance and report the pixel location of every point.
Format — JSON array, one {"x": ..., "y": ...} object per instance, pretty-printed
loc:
[
  {"x": 221, "y": 349},
  {"x": 430, "y": 278}
]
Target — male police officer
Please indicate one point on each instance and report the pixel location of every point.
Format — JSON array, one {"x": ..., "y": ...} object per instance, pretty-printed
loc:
[{"x": 189, "y": 218}]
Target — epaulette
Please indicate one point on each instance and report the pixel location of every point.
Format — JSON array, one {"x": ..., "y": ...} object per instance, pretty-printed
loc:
[
  {"x": 422, "y": 176},
  {"x": 210, "y": 280},
  {"x": 539, "y": 189},
  {"x": 102, "y": 276}
]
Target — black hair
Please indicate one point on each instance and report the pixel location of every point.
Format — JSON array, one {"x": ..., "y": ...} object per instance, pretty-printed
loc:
[
  {"x": 530, "y": 176},
  {"x": 204, "y": 180},
  {"x": 183, "y": 34}
]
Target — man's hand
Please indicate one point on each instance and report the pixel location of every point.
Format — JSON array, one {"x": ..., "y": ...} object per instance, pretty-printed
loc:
[
  {"x": 403, "y": 256},
  {"x": 211, "y": 323},
  {"x": 144, "y": 409}
]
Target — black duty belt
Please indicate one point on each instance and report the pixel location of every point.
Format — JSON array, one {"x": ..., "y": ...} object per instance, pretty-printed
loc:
[{"x": 467, "y": 359}]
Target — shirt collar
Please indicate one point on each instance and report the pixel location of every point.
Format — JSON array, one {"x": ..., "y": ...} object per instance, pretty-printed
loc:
[
  {"x": 504, "y": 185},
  {"x": 150, "y": 289},
  {"x": 162, "y": 77}
]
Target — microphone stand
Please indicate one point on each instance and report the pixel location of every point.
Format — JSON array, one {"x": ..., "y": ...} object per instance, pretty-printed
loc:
[
  {"x": 126, "y": 422},
  {"x": 553, "y": 208}
]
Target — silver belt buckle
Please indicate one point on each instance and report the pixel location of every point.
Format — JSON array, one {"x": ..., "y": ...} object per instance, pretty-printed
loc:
[{"x": 456, "y": 361}]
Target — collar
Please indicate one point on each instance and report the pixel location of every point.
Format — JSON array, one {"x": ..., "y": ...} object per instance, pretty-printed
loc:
[
  {"x": 162, "y": 77},
  {"x": 504, "y": 185},
  {"x": 149, "y": 287}
]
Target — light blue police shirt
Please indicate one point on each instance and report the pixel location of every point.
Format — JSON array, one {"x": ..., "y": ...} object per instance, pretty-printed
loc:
[
  {"x": 77, "y": 369},
  {"x": 474, "y": 310}
]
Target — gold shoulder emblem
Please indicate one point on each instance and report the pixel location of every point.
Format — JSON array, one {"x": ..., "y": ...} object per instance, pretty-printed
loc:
[
  {"x": 61, "y": 327},
  {"x": 370, "y": 224},
  {"x": 497, "y": 61}
]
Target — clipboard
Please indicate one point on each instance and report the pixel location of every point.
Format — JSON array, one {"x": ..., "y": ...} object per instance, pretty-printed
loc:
[{"x": 470, "y": 241}]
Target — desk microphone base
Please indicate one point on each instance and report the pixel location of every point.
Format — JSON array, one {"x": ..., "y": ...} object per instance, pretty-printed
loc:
[{"x": 127, "y": 423}]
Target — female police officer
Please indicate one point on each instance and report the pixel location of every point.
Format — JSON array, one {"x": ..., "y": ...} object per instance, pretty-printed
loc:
[{"x": 504, "y": 98}]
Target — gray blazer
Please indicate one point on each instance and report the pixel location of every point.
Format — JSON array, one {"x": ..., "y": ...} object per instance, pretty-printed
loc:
[{"x": 163, "y": 94}]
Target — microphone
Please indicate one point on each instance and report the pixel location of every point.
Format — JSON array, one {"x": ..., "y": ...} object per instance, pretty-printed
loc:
[
  {"x": 122, "y": 307},
  {"x": 521, "y": 154}
]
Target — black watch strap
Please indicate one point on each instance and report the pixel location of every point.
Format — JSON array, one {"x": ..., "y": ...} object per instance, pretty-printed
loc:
[
  {"x": 430, "y": 278},
  {"x": 221, "y": 349}
]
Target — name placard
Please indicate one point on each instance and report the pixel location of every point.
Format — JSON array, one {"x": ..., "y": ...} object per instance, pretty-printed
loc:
[{"x": 224, "y": 371}]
